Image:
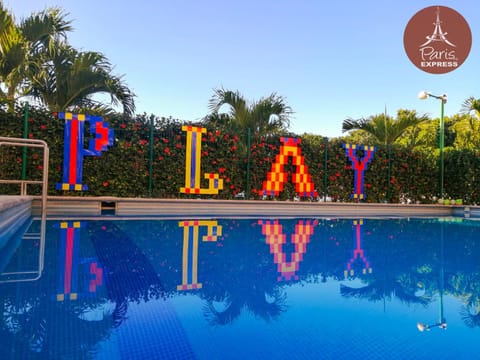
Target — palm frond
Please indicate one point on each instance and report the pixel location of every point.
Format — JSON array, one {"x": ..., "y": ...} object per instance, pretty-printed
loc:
[
  {"x": 46, "y": 28},
  {"x": 471, "y": 105},
  {"x": 383, "y": 128}
]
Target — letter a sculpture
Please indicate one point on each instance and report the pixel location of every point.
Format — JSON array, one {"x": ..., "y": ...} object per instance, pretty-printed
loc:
[{"x": 273, "y": 186}]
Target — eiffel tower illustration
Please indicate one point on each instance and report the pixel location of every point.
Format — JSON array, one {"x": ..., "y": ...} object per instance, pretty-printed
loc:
[{"x": 438, "y": 34}]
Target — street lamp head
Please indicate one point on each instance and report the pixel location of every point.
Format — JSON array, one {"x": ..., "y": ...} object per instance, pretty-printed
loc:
[
  {"x": 422, "y": 95},
  {"x": 422, "y": 327}
]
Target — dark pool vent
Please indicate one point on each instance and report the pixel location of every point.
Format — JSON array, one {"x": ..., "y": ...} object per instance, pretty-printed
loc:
[{"x": 108, "y": 208}]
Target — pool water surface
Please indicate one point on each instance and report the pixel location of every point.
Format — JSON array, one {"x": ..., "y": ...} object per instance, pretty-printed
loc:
[{"x": 300, "y": 288}]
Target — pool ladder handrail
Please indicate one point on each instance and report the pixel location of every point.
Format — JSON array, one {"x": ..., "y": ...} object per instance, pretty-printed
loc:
[
  {"x": 32, "y": 274},
  {"x": 36, "y": 143}
]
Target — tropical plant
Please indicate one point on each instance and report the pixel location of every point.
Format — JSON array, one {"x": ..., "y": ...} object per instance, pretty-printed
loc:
[
  {"x": 11, "y": 52},
  {"x": 36, "y": 60},
  {"x": 385, "y": 129},
  {"x": 261, "y": 304},
  {"x": 467, "y": 131},
  {"x": 270, "y": 115},
  {"x": 22, "y": 45},
  {"x": 69, "y": 79},
  {"x": 471, "y": 105}
]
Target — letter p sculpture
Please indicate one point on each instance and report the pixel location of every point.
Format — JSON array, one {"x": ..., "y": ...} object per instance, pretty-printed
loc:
[{"x": 73, "y": 151}]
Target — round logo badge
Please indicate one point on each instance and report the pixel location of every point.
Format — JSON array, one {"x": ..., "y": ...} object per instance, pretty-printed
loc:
[{"x": 437, "y": 39}]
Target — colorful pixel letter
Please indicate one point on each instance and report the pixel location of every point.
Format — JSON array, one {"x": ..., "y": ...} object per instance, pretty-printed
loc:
[
  {"x": 276, "y": 238},
  {"x": 358, "y": 252},
  {"x": 273, "y": 186},
  {"x": 73, "y": 151},
  {"x": 190, "y": 249},
  {"x": 69, "y": 261},
  {"x": 193, "y": 161},
  {"x": 359, "y": 166}
]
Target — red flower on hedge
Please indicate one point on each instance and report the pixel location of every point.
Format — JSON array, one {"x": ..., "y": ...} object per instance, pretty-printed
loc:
[
  {"x": 167, "y": 151},
  {"x": 123, "y": 126},
  {"x": 105, "y": 184}
]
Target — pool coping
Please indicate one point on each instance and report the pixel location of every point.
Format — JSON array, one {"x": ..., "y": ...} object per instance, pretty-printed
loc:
[
  {"x": 131, "y": 207},
  {"x": 62, "y": 205}
]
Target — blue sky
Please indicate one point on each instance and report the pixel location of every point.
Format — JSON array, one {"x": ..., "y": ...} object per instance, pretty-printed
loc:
[{"x": 329, "y": 59}]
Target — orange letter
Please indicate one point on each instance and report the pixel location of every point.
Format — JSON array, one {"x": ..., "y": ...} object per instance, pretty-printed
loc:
[{"x": 277, "y": 177}]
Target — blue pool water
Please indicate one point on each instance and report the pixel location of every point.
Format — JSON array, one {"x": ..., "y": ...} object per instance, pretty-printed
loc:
[{"x": 243, "y": 289}]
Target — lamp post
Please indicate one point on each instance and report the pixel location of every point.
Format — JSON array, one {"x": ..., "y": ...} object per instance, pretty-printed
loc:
[{"x": 422, "y": 95}]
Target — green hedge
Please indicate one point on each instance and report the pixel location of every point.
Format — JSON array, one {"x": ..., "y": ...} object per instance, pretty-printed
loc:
[{"x": 396, "y": 174}]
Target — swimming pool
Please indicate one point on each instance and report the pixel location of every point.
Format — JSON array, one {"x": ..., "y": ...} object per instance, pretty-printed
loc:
[{"x": 263, "y": 288}]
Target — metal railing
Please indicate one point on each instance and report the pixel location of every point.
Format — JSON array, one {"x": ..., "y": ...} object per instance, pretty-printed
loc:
[
  {"x": 30, "y": 275},
  {"x": 34, "y": 273},
  {"x": 24, "y": 183}
]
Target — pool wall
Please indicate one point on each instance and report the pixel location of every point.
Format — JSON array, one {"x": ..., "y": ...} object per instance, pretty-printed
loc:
[
  {"x": 14, "y": 212},
  {"x": 14, "y": 207},
  {"x": 190, "y": 207}
]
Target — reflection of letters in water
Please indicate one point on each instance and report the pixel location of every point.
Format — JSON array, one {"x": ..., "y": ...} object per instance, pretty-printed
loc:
[
  {"x": 190, "y": 249},
  {"x": 70, "y": 263},
  {"x": 276, "y": 238},
  {"x": 358, "y": 252}
]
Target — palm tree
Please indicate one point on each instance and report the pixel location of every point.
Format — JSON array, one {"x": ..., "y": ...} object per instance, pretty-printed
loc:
[
  {"x": 385, "y": 129},
  {"x": 263, "y": 303},
  {"x": 12, "y": 55},
  {"x": 471, "y": 105},
  {"x": 36, "y": 60},
  {"x": 381, "y": 290},
  {"x": 68, "y": 79},
  {"x": 270, "y": 115},
  {"x": 466, "y": 128},
  {"x": 21, "y": 45}
]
